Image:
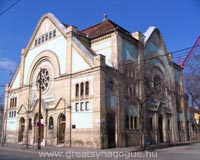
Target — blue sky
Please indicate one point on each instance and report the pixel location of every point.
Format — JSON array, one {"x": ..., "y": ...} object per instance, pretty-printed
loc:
[{"x": 178, "y": 21}]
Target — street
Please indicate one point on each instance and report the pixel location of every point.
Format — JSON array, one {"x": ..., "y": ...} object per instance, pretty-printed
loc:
[{"x": 186, "y": 152}]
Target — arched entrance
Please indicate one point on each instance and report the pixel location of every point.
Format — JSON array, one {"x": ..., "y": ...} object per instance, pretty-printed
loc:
[
  {"x": 21, "y": 129},
  {"x": 110, "y": 125},
  {"x": 61, "y": 128},
  {"x": 36, "y": 119},
  {"x": 160, "y": 128}
]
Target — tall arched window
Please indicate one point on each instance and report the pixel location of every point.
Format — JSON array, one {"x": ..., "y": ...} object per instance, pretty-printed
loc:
[
  {"x": 131, "y": 122},
  {"x": 135, "y": 122},
  {"x": 50, "y": 123},
  {"x": 87, "y": 88},
  {"x": 82, "y": 89},
  {"x": 127, "y": 122},
  {"x": 77, "y": 90}
]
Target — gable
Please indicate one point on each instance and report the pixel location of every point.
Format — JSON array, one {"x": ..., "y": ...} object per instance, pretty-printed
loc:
[
  {"x": 22, "y": 110},
  {"x": 49, "y": 35},
  {"x": 155, "y": 39},
  {"x": 47, "y": 23},
  {"x": 45, "y": 32}
]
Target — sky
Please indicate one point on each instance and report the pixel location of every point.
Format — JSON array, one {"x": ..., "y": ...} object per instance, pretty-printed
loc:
[{"x": 177, "y": 20}]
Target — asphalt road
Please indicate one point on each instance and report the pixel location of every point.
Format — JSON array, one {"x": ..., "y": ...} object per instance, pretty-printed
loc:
[{"x": 188, "y": 152}]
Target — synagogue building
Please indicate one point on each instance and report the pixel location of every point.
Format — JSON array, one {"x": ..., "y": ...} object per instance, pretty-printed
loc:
[{"x": 100, "y": 87}]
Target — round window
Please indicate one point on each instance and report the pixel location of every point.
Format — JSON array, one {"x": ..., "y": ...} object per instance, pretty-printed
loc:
[{"x": 43, "y": 79}]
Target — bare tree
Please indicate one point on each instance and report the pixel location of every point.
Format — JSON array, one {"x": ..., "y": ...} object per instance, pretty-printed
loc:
[
  {"x": 140, "y": 86},
  {"x": 192, "y": 80}
]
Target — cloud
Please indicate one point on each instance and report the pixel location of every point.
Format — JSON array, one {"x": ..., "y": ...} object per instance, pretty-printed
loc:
[{"x": 7, "y": 64}]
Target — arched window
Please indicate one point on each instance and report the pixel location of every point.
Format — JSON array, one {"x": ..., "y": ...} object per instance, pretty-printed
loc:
[
  {"x": 127, "y": 122},
  {"x": 168, "y": 124},
  {"x": 54, "y": 33},
  {"x": 50, "y": 123},
  {"x": 87, "y": 88},
  {"x": 151, "y": 123},
  {"x": 135, "y": 122},
  {"x": 82, "y": 89},
  {"x": 77, "y": 90},
  {"x": 39, "y": 40},
  {"x": 46, "y": 36},
  {"x": 36, "y": 42},
  {"x": 131, "y": 122}
]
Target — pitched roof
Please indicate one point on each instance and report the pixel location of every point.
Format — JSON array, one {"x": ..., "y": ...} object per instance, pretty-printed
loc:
[
  {"x": 102, "y": 28},
  {"x": 66, "y": 25},
  {"x": 193, "y": 110}
]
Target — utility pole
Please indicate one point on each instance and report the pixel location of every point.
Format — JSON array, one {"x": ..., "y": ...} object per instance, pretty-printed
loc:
[{"x": 39, "y": 112}]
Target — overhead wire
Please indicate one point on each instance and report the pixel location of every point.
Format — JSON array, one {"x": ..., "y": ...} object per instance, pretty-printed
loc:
[{"x": 11, "y": 6}]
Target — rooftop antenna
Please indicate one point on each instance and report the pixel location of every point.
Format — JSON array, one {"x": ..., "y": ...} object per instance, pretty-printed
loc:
[{"x": 105, "y": 17}]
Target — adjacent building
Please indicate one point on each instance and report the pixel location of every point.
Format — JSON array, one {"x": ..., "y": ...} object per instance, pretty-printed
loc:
[
  {"x": 99, "y": 87},
  {"x": 1, "y": 121},
  {"x": 194, "y": 126}
]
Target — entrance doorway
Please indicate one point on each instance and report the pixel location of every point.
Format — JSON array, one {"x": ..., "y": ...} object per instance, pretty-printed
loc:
[
  {"x": 61, "y": 128},
  {"x": 21, "y": 129},
  {"x": 160, "y": 128},
  {"x": 110, "y": 124}
]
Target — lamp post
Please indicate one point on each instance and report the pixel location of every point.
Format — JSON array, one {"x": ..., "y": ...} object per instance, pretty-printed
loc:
[
  {"x": 39, "y": 111},
  {"x": 70, "y": 124}
]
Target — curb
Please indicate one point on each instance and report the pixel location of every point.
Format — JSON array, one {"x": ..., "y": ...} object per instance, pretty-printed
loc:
[{"x": 152, "y": 147}]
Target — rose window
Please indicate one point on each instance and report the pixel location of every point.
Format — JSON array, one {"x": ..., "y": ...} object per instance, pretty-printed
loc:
[{"x": 43, "y": 79}]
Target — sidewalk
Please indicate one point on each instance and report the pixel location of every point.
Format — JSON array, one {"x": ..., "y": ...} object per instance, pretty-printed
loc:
[{"x": 19, "y": 147}]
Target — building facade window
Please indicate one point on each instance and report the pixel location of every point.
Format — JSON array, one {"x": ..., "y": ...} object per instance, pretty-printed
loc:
[
  {"x": 12, "y": 114},
  {"x": 76, "y": 107},
  {"x": 168, "y": 124},
  {"x": 36, "y": 42},
  {"x": 13, "y": 102},
  {"x": 87, "y": 106},
  {"x": 46, "y": 36},
  {"x": 39, "y": 40},
  {"x": 54, "y": 33},
  {"x": 50, "y": 123},
  {"x": 77, "y": 90},
  {"x": 127, "y": 122},
  {"x": 135, "y": 122},
  {"x": 87, "y": 88},
  {"x": 43, "y": 79},
  {"x": 131, "y": 122},
  {"x": 82, "y": 89},
  {"x": 82, "y": 106}
]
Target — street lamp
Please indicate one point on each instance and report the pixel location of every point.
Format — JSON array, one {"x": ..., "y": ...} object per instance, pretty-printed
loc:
[{"x": 39, "y": 111}]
